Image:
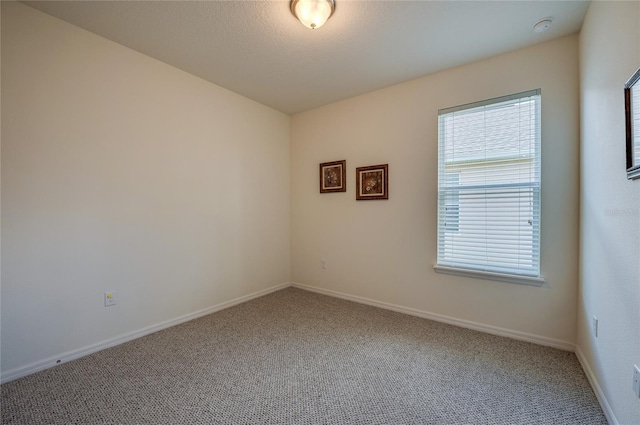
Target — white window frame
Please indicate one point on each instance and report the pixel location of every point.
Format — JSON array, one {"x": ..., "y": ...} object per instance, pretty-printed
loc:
[{"x": 450, "y": 263}]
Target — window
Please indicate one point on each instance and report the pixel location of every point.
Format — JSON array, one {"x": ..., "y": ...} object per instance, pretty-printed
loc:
[{"x": 489, "y": 189}]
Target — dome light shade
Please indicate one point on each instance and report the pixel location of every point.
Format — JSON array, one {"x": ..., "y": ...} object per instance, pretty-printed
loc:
[{"x": 312, "y": 13}]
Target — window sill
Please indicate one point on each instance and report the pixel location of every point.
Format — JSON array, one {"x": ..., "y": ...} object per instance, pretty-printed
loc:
[{"x": 523, "y": 280}]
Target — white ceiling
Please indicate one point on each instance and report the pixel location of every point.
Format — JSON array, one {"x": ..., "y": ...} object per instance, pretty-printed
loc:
[{"x": 259, "y": 50}]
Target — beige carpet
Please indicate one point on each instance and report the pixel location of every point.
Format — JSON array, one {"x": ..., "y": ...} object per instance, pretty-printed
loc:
[{"x": 295, "y": 357}]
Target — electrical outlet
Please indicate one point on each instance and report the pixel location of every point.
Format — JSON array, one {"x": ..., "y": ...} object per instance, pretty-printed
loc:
[
  {"x": 594, "y": 326},
  {"x": 109, "y": 299},
  {"x": 636, "y": 380},
  {"x": 323, "y": 264}
]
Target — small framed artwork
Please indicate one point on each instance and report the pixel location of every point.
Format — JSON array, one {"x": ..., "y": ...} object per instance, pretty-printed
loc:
[
  {"x": 632, "y": 125},
  {"x": 333, "y": 176},
  {"x": 372, "y": 182}
]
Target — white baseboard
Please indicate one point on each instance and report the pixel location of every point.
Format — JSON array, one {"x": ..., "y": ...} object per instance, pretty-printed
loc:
[
  {"x": 22, "y": 371},
  {"x": 494, "y": 330},
  {"x": 602, "y": 399}
]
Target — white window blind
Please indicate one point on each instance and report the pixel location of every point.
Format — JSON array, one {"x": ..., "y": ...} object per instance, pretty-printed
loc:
[{"x": 489, "y": 164}]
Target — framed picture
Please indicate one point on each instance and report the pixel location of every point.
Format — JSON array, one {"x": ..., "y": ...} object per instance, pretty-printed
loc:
[
  {"x": 632, "y": 125},
  {"x": 372, "y": 182},
  {"x": 333, "y": 176}
]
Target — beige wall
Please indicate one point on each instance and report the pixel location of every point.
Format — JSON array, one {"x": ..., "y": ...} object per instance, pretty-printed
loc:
[
  {"x": 610, "y": 207},
  {"x": 122, "y": 173},
  {"x": 385, "y": 250}
]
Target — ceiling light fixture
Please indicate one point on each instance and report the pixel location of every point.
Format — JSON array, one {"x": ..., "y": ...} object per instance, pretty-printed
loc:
[{"x": 312, "y": 13}]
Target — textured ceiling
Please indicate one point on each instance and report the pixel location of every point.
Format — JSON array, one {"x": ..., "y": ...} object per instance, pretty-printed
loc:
[{"x": 259, "y": 50}]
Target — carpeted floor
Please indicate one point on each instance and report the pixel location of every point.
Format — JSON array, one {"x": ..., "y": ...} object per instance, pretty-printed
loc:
[{"x": 295, "y": 357}]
